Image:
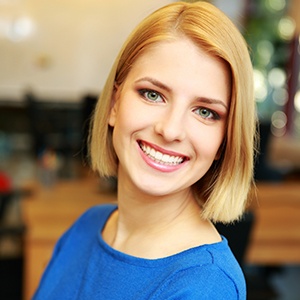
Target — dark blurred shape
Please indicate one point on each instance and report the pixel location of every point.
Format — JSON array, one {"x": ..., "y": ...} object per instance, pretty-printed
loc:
[
  {"x": 262, "y": 169},
  {"x": 238, "y": 235},
  {"x": 54, "y": 125},
  {"x": 11, "y": 265},
  {"x": 88, "y": 105}
]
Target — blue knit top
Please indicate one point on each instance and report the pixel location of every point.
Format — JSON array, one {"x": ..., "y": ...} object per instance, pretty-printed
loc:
[{"x": 83, "y": 266}]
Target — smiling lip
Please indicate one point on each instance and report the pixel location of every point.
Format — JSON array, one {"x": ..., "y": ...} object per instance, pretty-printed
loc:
[{"x": 165, "y": 161}]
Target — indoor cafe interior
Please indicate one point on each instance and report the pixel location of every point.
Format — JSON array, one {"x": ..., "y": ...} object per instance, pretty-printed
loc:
[{"x": 55, "y": 56}]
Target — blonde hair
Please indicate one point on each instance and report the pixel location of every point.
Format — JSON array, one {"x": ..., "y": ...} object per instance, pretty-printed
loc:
[{"x": 224, "y": 190}]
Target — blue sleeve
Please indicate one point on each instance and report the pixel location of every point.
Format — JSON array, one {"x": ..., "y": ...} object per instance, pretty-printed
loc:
[{"x": 205, "y": 283}]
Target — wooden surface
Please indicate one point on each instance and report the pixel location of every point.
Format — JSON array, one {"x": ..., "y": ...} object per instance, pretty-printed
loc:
[
  {"x": 276, "y": 235},
  {"x": 48, "y": 212}
]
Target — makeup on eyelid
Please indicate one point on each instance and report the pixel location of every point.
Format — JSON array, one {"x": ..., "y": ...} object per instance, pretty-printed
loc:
[
  {"x": 166, "y": 88},
  {"x": 215, "y": 114}
]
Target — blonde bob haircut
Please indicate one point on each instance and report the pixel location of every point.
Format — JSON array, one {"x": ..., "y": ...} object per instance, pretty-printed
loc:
[{"x": 224, "y": 190}]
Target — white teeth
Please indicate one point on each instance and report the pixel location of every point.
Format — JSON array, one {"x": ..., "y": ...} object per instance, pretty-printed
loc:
[
  {"x": 150, "y": 152},
  {"x": 158, "y": 155},
  {"x": 161, "y": 158}
]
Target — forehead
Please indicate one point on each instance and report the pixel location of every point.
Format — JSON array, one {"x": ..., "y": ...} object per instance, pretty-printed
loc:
[{"x": 182, "y": 64}]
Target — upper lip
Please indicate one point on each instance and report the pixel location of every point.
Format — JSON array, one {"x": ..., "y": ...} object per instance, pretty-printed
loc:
[{"x": 162, "y": 150}]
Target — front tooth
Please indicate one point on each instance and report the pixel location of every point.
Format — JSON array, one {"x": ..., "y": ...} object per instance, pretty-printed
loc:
[
  {"x": 158, "y": 155},
  {"x": 165, "y": 158},
  {"x": 151, "y": 152}
]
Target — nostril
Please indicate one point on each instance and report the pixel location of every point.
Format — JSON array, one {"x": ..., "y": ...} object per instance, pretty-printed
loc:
[{"x": 170, "y": 131}]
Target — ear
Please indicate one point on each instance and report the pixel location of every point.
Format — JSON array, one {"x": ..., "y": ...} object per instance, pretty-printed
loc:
[{"x": 114, "y": 108}]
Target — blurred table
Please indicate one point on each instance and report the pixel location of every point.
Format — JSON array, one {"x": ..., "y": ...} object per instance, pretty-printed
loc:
[
  {"x": 48, "y": 212},
  {"x": 275, "y": 238}
]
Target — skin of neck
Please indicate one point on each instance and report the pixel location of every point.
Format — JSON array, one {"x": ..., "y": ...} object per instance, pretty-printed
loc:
[
  {"x": 146, "y": 213},
  {"x": 150, "y": 226}
]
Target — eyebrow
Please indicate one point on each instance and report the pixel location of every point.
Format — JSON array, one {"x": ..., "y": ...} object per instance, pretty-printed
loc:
[
  {"x": 212, "y": 101},
  {"x": 155, "y": 82},
  {"x": 166, "y": 88}
]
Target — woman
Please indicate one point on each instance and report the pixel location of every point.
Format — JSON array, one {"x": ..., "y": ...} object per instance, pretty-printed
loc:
[{"x": 176, "y": 124}]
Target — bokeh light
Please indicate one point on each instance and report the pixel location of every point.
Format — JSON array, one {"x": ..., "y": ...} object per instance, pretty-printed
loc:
[
  {"x": 297, "y": 101},
  {"x": 265, "y": 50},
  {"x": 278, "y": 121},
  {"x": 276, "y": 5},
  {"x": 276, "y": 78},
  {"x": 260, "y": 85},
  {"x": 20, "y": 29},
  {"x": 280, "y": 96},
  {"x": 286, "y": 28}
]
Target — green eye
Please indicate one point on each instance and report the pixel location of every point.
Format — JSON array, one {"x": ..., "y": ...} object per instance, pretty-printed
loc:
[
  {"x": 151, "y": 95},
  {"x": 205, "y": 113}
]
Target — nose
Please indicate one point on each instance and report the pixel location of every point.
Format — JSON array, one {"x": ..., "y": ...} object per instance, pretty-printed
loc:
[{"x": 171, "y": 125}]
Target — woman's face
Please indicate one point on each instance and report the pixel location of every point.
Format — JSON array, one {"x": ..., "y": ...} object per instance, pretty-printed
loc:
[{"x": 169, "y": 118}]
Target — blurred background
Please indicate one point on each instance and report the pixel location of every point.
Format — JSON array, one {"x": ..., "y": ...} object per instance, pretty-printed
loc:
[{"x": 54, "y": 59}]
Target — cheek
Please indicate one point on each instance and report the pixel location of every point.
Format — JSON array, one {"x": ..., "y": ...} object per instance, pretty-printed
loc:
[
  {"x": 208, "y": 142},
  {"x": 124, "y": 119},
  {"x": 134, "y": 114}
]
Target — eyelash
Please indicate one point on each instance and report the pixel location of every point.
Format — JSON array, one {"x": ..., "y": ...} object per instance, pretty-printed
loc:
[{"x": 213, "y": 115}]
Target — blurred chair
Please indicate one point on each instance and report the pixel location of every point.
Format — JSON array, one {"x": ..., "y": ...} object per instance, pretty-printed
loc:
[
  {"x": 11, "y": 236},
  {"x": 263, "y": 171},
  {"x": 5, "y": 192},
  {"x": 54, "y": 125},
  {"x": 88, "y": 106}
]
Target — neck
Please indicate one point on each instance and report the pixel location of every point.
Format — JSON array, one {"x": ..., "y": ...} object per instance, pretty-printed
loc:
[
  {"x": 144, "y": 211},
  {"x": 151, "y": 226},
  {"x": 150, "y": 218}
]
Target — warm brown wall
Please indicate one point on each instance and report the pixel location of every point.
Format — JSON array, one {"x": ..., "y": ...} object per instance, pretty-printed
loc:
[{"x": 295, "y": 13}]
